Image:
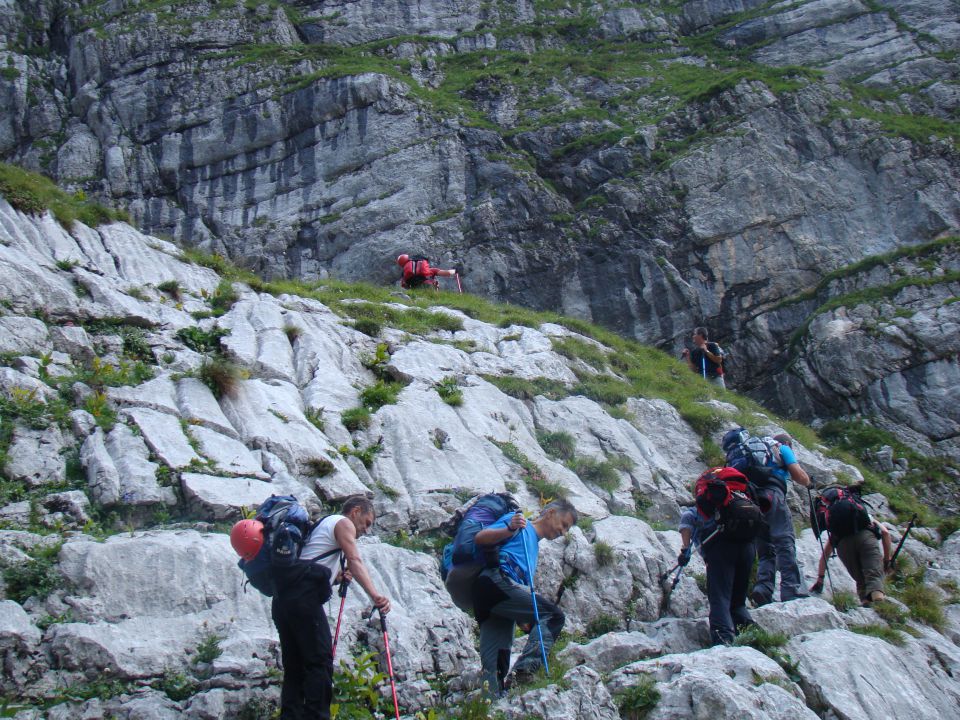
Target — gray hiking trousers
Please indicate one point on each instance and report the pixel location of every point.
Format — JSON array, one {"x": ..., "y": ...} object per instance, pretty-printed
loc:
[
  {"x": 861, "y": 556},
  {"x": 499, "y": 602},
  {"x": 778, "y": 553}
]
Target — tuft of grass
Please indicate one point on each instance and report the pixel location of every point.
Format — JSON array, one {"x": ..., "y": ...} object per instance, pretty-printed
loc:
[
  {"x": 602, "y": 474},
  {"x": 37, "y": 577},
  {"x": 449, "y": 391},
  {"x": 922, "y": 600},
  {"x": 603, "y": 553},
  {"x": 560, "y": 445},
  {"x": 314, "y": 416},
  {"x": 34, "y": 194},
  {"x": 760, "y": 639},
  {"x": 373, "y": 397},
  {"x": 884, "y": 632},
  {"x": 577, "y": 349},
  {"x": 202, "y": 341},
  {"x": 293, "y": 332},
  {"x": 368, "y": 326},
  {"x": 222, "y": 376},
  {"x": 223, "y": 297},
  {"x": 636, "y": 702},
  {"x": 528, "y": 389},
  {"x": 532, "y": 475},
  {"x": 601, "y": 625},
  {"x": 172, "y": 288},
  {"x": 354, "y": 419},
  {"x": 320, "y": 466},
  {"x": 843, "y": 600},
  {"x": 208, "y": 649}
]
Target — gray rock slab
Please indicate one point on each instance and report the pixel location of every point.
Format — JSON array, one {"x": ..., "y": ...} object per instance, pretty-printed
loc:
[
  {"x": 257, "y": 338},
  {"x": 72, "y": 340},
  {"x": 72, "y": 503},
  {"x": 719, "y": 682},
  {"x": 158, "y": 394},
  {"x": 17, "y": 632},
  {"x": 612, "y": 650},
  {"x": 18, "y": 513},
  {"x": 197, "y": 405},
  {"x": 580, "y": 695},
  {"x": 841, "y": 670},
  {"x": 222, "y": 498},
  {"x": 798, "y": 616},
  {"x": 35, "y": 457},
  {"x": 17, "y": 384},
  {"x": 228, "y": 454},
  {"x": 164, "y": 435},
  {"x": 119, "y": 470},
  {"x": 24, "y": 335}
]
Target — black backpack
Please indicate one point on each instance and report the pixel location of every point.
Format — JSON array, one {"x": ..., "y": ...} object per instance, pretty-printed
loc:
[
  {"x": 839, "y": 511},
  {"x": 464, "y": 527}
]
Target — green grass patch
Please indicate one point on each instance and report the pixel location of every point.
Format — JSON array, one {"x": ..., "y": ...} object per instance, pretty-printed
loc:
[
  {"x": 843, "y": 600},
  {"x": 354, "y": 419},
  {"x": 37, "y": 577},
  {"x": 382, "y": 392},
  {"x": 202, "y": 341},
  {"x": 637, "y": 701},
  {"x": 532, "y": 475},
  {"x": 449, "y": 391},
  {"x": 922, "y": 600},
  {"x": 559, "y": 445},
  {"x": 576, "y": 349},
  {"x": 528, "y": 389},
  {"x": 603, "y": 553},
  {"x": 602, "y": 473},
  {"x": 884, "y": 632},
  {"x": 34, "y": 194}
]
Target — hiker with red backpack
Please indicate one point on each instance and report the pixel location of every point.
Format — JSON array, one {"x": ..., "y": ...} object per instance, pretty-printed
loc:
[
  {"x": 851, "y": 530},
  {"x": 298, "y": 611},
  {"x": 504, "y": 594},
  {"x": 417, "y": 272},
  {"x": 724, "y": 524}
]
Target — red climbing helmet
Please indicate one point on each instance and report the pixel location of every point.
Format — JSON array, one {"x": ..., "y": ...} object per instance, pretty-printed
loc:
[
  {"x": 247, "y": 538},
  {"x": 403, "y": 260}
]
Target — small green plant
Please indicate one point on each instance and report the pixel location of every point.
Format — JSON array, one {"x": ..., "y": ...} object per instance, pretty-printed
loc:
[
  {"x": 356, "y": 690},
  {"x": 354, "y": 419},
  {"x": 843, "y": 600},
  {"x": 176, "y": 685},
  {"x": 603, "y": 553},
  {"x": 37, "y": 577},
  {"x": 366, "y": 455},
  {"x": 222, "y": 376},
  {"x": 171, "y": 288},
  {"x": 202, "y": 341},
  {"x": 293, "y": 332},
  {"x": 368, "y": 326},
  {"x": 602, "y": 474},
  {"x": 208, "y": 649},
  {"x": 377, "y": 363},
  {"x": 884, "y": 632},
  {"x": 67, "y": 265},
  {"x": 373, "y": 397},
  {"x": 636, "y": 702},
  {"x": 601, "y": 625},
  {"x": 314, "y": 416},
  {"x": 532, "y": 475},
  {"x": 760, "y": 639},
  {"x": 560, "y": 445},
  {"x": 449, "y": 391},
  {"x": 890, "y": 613},
  {"x": 320, "y": 466},
  {"x": 576, "y": 349},
  {"x": 922, "y": 600},
  {"x": 223, "y": 297}
]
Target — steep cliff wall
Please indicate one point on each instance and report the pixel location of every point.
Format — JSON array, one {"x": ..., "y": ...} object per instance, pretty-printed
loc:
[{"x": 649, "y": 166}]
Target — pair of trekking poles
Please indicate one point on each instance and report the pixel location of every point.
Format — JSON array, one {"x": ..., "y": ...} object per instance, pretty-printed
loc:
[{"x": 344, "y": 585}]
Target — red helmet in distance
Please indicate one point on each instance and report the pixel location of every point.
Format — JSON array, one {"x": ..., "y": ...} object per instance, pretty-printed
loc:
[
  {"x": 247, "y": 538},
  {"x": 403, "y": 260}
]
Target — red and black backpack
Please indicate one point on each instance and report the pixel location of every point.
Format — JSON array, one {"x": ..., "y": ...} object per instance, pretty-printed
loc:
[
  {"x": 418, "y": 265},
  {"x": 839, "y": 511},
  {"x": 725, "y": 495}
]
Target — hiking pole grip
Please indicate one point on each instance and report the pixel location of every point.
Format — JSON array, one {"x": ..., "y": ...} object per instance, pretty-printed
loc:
[
  {"x": 536, "y": 612},
  {"x": 343, "y": 599},
  {"x": 386, "y": 647}
]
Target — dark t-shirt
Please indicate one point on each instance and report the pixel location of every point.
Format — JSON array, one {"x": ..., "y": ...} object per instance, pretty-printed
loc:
[{"x": 701, "y": 361}]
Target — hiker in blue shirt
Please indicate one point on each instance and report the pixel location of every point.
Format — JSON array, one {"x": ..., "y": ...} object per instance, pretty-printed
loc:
[
  {"x": 729, "y": 562},
  {"x": 779, "y": 553},
  {"x": 503, "y": 595}
]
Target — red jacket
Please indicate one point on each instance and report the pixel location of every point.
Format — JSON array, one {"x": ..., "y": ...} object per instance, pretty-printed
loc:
[{"x": 419, "y": 269}]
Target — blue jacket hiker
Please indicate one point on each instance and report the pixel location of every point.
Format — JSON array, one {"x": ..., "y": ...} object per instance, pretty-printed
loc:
[
  {"x": 502, "y": 596},
  {"x": 728, "y": 563},
  {"x": 779, "y": 553}
]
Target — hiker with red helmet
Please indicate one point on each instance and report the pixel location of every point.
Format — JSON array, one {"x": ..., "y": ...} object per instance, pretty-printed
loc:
[{"x": 417, "y": 272}]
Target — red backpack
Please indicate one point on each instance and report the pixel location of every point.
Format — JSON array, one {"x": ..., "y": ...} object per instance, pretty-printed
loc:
[
  {"x": 724, "y": 494},
  {"x": 416, "y": 271}
]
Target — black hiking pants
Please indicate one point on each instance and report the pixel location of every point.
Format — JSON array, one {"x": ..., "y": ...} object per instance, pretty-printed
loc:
[
  {"x": 307, "y": 653},
  {"x": 728, "y": 576}
]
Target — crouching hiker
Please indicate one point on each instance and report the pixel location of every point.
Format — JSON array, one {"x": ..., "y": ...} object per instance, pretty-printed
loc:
[
  {"x": 724, "y": 524},
  {"x": 504, "y": 595},
  {"x": 854, "y": 533},
  {"x": 298, "y": 611}
]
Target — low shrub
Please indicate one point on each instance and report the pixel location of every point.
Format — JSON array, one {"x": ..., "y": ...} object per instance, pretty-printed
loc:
[
  {"x": 560, "y": 445},
  {"x": 354, "y": 419},
  {"x": 636, "y": 702}
]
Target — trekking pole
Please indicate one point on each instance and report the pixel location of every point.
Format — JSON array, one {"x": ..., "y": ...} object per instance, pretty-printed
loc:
[
  {"x": 816, "y": 528},
  {"x": 459, "y": 287},
  {"x": 536, "y": 613},
  {"x": 386, "y": 647},
  {"x": 703, "y": 365},
  {"x": 665, "y": 575},
  {"x": 344, "y": 584},
  {"x": 893, "y": 558}
]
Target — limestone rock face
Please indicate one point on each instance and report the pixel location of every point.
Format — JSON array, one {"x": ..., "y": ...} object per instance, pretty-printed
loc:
[{"x": 129, "y": 458}]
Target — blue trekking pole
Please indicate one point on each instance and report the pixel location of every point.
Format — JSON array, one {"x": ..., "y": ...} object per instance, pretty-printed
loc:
[
  {"x": 703, "y": 365},
  {"x": 536, "y": 613}
]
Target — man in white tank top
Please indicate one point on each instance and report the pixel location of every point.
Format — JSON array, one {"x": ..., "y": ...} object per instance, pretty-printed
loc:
[{"x": 305, "y": 642}]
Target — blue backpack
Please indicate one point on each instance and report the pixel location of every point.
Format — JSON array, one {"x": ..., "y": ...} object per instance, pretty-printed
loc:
[
  {"x": 485, "y": 510},
  {"x": 754, "y": 457},
  {"x": 286, "y": 526}
]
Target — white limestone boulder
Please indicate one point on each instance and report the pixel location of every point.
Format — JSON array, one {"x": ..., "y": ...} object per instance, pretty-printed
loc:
[
  {"x": 24, "y": 335},
  {"x": 580, "y": 695},
  {"x": 223, "y": 498},
  {"x": 35, "y": 457},
  {"x": 861, "y": 677},
  {"x": 119, "y": 470},
  {"x": 164, "y": 435},
  {"x": 798, "y": 616}
]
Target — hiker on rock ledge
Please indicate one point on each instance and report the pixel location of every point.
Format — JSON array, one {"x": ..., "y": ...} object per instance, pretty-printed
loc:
[
  {"x": 706, "y": 358},
  {"x": 504, "y": 595},
  {"x": 417, "y": 272}
]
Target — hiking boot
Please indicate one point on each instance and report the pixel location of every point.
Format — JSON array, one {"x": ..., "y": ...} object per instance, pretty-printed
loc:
[
  {"x": 759, "y": 599},
  {"x": 517, "y": 677},
  {"x": 875, "y": 596}
]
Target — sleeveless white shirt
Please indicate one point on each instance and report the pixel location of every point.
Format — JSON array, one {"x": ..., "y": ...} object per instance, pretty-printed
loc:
[{"x": 322, "y": 541}]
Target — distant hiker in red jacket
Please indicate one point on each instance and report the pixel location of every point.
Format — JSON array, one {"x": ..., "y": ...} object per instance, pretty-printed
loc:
[{"x": 417, "y": 272}]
